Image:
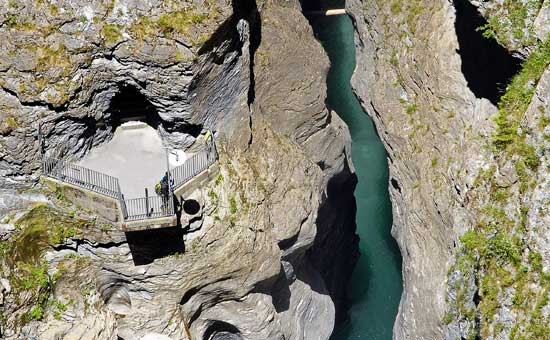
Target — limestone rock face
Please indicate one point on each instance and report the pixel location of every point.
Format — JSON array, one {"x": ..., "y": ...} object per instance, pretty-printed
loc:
[
  {"x": 258, "y": 265},
  {"x": 457, "y": 195},
  {"x": 515, "y": 24}
]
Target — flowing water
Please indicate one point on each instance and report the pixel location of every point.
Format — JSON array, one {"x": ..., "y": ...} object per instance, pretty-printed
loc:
[{"x": 376, "y": 282}]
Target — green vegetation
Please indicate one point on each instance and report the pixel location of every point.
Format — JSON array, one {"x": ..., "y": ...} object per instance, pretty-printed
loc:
[
  {"x": 447, "y": 318},
  {"x": 494, "y": 249},
  {"x": 411, "y": 108},
  {"x": 394, "y": 61},
  {"x": 111, "y": 33},
  {"x": 11, "y": 21},
  {"x": 232, "y": 205},
  {"x": 8, "y": 124},
  {"x": 142, "y": 28},
  {"x": 212, "y": 194},
  {"x": 219, "y": 179},
  {"x": 514, "y": 102},
  {"x": 487, "y": 31},
  {"x": 396, "y": 7},
  {"x": 54, "y": 10},
  {"x": 33, "y": 278},
  {"x": 180, "y": 21},
  {"x": 11, "y": 122},
  {"x": 58, "y": 308},
  {"x": 41, "y": 227},
  {"x": 410, "y": 11},
  {"x": 60, "y": 233},
  {"x": 544, "y": 121},
  {"x": 56, "y": 57},
  {"x": 510, "y": 22},
  {"x": 36, "y": 313}
]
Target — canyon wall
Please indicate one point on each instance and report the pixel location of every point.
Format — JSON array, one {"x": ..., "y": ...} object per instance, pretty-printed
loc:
[
  {"x": 272, "y": 252},
  {"x": 467, "y": 149}
]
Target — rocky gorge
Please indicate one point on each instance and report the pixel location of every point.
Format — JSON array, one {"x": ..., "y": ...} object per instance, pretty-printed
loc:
[
  {"x": 459, "y": 94},
  {"x": 457, "y": 90},
  {"x": 275, "y": 244}
]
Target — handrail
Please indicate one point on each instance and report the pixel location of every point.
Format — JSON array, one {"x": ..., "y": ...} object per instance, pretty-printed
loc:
[
  {"x": 148, "y": 207},
  {"x": 136, "y": 208},
  {"x": 81, "y": 176},
  {"x": 194, "y": 165}
]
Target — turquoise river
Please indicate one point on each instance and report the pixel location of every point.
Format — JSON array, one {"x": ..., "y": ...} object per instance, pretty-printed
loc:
[{"x": 376, "y": 282}]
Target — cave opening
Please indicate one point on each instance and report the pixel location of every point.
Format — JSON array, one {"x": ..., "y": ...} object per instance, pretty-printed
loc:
[
  {"x": 191, "y": 207},
  {"x": 487, "y": 66},
  {"x": 129, "y": 104}
]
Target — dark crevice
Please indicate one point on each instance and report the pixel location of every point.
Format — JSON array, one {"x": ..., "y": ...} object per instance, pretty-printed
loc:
[
  {"x": 395, "y": 184},
  {"x": 189, "y": 294},
  {"x": 129, "y": 103},
  {"x": 248, "y": 10},
  {"x": 288, "y": 242},
  {"x": 457, "y": 189},
  {"x": 477, "y": 300},
  {"x": 336, "y": 271},
  {"x": 78, "y": 242},
  {"x": 487, "y": 66},
  {"x": 280, "y": 292},
  {"x": 322, "y": 165},
  {"x": 255, "y": 40},
  {"x": 190, "y": 129},
  {"x": 250, "y": 138}
]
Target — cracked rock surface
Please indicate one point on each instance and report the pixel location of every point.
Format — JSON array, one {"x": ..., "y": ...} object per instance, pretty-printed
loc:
[
  {"x": 459, "y": 197},
  {"x": 273, "y": 252}
]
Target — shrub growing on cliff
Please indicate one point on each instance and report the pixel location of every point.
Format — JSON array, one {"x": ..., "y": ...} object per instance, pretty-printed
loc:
[
  {"x": 471, "y": 241},
  {"x": 34, "y": 279},
  {"x": 514, "y": 102},
  {"x": 501, "y": 247}
]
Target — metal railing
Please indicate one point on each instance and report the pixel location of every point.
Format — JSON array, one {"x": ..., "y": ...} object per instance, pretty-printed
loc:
[
  {"x": 80, "y": 176},
  {"x": 148, "y": 207},
  {"x": 194, "y": 165},
  {"x": 134, "y": 209}
]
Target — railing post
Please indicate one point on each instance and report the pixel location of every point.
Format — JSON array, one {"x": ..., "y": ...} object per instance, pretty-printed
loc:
[
  {"x": 122, "y": 202},
  {"x": 147, "y": 212},
  {"x": 169, "y": 178}
]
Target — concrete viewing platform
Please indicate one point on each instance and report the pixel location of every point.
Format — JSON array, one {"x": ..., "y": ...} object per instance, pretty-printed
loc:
[
  {"x": 111, "y": 179},
  {"x": 135, "y": 155}
]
